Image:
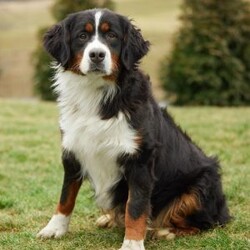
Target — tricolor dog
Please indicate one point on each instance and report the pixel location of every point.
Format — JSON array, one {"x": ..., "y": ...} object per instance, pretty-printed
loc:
[{"x": 147, "y": 174}]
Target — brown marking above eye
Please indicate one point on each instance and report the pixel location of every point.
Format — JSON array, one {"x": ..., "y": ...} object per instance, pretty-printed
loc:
[
  {"x": 105, "y": 27},
  {"x": 89, "y": 27}
]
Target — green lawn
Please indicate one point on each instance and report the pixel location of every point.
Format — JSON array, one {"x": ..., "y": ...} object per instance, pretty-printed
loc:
[{"x": 31, "y": 177}]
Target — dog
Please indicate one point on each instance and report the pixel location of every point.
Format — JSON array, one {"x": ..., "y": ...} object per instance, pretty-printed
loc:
[{"x": 148, "y": 175}]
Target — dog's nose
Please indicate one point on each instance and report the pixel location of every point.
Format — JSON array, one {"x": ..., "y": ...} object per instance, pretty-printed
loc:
[{"x": 97, "y": 56}]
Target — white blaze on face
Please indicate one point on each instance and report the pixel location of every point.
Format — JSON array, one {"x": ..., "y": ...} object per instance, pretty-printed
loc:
[{"x": 96, "y": 44}]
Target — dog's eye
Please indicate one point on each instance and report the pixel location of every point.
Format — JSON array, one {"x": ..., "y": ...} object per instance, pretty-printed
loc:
[
  {"x": 83, "y": 36},
  {"x": 111, "y": 35}
]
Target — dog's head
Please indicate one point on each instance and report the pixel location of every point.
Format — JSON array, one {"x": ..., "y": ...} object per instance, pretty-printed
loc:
[{"x": 96, "y": 41}]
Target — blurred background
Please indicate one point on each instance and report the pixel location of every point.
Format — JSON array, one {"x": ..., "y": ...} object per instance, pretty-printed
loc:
[
  {"x": 21, "y": 20},
  {"x": 200, "y": 51}
]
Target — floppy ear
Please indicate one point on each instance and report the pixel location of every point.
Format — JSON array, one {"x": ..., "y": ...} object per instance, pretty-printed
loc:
[
  {"x": 56, "y": 42},
  {"x": 134, "y": 46}
]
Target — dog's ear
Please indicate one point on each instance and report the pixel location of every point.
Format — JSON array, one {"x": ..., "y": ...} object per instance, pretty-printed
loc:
[
  {"x": 134, "y": 46},
  {"x": 56, "y": 42}
]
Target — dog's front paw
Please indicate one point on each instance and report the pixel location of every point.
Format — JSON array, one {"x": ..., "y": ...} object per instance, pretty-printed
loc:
[
  {"x": 132, "y": 245},
  {"x": 57, "y": 227}
]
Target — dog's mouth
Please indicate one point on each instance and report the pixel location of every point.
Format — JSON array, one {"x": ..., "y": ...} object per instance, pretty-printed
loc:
[{"x": 97, "y": 69}]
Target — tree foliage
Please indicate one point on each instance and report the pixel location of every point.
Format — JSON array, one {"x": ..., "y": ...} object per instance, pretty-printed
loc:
[
  {"x": 64, "y": 7},
  {"x": 43, "y": 73},
  {"x": 210, "y": 60}
]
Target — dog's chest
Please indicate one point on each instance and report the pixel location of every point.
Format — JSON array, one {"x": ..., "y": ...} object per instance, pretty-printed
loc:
[{"x": 97, "y": 144}]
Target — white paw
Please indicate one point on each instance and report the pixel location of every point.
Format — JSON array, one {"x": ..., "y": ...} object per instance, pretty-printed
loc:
[
  {"x": 57, "y": 227},
  {"x": 104, "y": 220},
  {"x": 132, "y": 245},
  {"x": 165, "y": 233}
]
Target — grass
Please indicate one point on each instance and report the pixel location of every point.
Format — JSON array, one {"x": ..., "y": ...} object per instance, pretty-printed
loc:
[{"x": 31, "y": 178}]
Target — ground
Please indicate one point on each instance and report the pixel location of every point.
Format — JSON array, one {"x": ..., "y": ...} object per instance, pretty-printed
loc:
[{"x": 31, "y": 177}]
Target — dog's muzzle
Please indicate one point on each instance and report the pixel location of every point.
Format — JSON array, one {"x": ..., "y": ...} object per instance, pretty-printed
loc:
[{"x": 97, "y": 57}]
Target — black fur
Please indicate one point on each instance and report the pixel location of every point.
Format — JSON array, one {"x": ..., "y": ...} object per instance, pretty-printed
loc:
[
  {"x": 56, "y": 42},
  {"x": 168, "y": 163},
  {"x": 176, "y": 166},
  {"x": 72, "y": 173},
  {"x": 134, "y": 46}
]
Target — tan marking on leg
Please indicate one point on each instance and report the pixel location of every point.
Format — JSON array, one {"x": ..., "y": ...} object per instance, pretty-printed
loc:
[
  {"x": 67, "y": 207},
  {"x": 135, "y": 228}
]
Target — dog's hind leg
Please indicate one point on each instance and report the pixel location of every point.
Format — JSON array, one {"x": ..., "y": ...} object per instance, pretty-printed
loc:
[
  {"x": 105, "y": 221},
  {"x": 160, "y": 233},
  {"x": 59, "y": 223},
  {"x": 172, "y": 221},
  {"x": 112, "y": 218}
]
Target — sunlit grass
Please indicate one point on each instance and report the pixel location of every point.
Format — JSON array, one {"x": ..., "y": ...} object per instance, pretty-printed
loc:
[{"x": 31, "y": 177}]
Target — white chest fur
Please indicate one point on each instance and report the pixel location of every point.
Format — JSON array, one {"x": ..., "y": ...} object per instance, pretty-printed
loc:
[{"x": 96, "y": 143}]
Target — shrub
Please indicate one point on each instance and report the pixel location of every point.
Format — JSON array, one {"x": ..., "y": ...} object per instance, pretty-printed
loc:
[
  {"x": 210, "y": 60},
  {"x": 64, "y": 7},
  {"x": 43, "y": 73}
]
